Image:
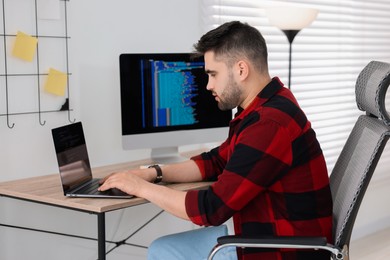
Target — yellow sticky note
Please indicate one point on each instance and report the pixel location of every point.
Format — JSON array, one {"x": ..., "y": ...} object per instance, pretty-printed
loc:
[
  {"x": 56, "y": 82},
  {"x": 25, "y": 46}
]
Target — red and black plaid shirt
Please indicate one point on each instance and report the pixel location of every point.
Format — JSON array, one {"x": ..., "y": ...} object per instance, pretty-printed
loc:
[{"x": 270, "y": 176}]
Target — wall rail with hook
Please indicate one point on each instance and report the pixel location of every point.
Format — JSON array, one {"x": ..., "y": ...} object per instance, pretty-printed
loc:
[{"x": 5, "y": 75}]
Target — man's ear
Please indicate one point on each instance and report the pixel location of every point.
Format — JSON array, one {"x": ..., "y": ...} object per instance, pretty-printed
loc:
[{"x": 243, "y": 69}]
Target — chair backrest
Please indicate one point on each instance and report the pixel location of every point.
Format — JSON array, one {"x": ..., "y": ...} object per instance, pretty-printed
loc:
[{"x": 360, "y": 155}]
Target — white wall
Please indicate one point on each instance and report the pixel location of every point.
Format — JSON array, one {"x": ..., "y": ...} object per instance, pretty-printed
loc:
[{"x": 100, "y": 30}]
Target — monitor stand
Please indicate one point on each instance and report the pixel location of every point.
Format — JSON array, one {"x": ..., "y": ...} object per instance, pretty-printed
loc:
[{"x": 167, "y": 155}]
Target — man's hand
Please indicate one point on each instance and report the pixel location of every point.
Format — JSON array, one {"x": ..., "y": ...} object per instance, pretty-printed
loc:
[{"x": 125, "y": 181}]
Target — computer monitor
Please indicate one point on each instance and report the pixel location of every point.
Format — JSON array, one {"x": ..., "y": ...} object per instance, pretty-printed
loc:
[{"x": 165, "y": 104}]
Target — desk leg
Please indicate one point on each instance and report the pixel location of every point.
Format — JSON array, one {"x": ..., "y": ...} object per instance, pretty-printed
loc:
[{"x": 101, "y": 236}]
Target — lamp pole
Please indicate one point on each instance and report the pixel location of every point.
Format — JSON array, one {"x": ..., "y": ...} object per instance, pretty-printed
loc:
[{"x": 290, "y": 34}]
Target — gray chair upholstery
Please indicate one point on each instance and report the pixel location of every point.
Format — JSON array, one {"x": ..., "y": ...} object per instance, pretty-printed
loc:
[{"x": 351, "y": 174}]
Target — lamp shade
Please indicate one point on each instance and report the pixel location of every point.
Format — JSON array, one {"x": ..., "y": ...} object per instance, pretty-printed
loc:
[{"x": 291, "y": 17}]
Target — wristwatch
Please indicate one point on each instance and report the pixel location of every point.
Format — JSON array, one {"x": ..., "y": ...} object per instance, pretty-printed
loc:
[{"x": 159, "y": 172}]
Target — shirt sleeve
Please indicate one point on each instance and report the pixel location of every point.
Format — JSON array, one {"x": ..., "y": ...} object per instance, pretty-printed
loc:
[
  {"x": 212, "y": 163},
  {"x": 261, "y": 155}
]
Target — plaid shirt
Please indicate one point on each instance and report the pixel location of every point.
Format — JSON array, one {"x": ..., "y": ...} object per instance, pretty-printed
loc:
[{"x": 270, "y": 176}]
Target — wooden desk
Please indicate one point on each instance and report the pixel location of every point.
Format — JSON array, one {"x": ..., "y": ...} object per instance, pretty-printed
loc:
[{"x": 47, "y": 190}]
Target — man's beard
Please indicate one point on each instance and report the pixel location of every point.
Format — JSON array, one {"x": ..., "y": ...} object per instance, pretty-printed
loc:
[{"x": 230, "y": 97}]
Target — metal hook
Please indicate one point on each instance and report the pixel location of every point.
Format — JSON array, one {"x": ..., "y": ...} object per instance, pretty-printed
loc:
[
  {"x": 71, "y": 121},
  {"x": 7, "y": 104},
  {"x": 40, "y": 120},
  {"x": 7, "y": 107},
  {"x": 38, "y": 70},
  {"x": 67, "y": 61},
  {"x": 65, "y": 107},
  {"x": 9, "y": 126},
  {"x": 6, "y": 72}
]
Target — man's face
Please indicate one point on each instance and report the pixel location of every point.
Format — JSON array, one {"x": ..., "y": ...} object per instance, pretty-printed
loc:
[{"x": 222, "y": 83}]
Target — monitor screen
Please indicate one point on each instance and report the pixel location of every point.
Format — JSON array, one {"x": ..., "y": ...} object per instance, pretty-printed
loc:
[{"x": 165, "y": 103}]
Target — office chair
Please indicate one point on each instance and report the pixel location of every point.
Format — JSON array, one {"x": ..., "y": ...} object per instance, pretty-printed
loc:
[{"x": 351, "y": 174}]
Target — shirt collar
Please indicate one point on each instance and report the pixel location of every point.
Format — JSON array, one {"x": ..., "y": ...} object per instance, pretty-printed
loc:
[{"x": 265, "y": 94}]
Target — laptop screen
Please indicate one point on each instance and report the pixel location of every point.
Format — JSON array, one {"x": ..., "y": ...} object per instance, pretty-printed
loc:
[{"x": 72, "y": 155}]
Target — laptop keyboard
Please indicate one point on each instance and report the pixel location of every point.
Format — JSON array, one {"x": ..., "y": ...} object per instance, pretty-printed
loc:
[{"x": 92, "y": 189}]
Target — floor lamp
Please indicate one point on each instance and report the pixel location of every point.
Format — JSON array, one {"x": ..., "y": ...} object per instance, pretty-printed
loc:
[{"x": 291, "y": 20}]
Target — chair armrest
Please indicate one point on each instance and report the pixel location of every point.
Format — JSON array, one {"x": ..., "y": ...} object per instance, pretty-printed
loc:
[
  {"x": 267, "y": 240},
  {"x": 314, "y": 243}
]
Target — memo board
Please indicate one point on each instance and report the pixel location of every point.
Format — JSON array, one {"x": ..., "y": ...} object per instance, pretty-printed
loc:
[{"x": 34, "y": 59}]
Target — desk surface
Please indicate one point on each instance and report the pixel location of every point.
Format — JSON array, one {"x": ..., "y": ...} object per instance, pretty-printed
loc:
[{"x": 47, "y": 189}]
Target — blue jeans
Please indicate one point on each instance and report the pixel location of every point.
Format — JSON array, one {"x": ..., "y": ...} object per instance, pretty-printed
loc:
[{"x": 191, "y": 245}]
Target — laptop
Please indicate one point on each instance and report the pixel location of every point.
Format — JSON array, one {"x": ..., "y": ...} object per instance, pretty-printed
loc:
[{"x": 74, "y": 167}]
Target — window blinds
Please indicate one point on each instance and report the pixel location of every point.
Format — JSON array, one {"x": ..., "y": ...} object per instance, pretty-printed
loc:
[{"x": 327, "y": 56}]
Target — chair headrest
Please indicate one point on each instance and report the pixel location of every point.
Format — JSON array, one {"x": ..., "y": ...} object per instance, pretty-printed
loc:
[{"x": 371, "y": 87}]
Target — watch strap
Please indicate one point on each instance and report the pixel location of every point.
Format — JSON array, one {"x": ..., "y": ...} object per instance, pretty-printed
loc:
[{"x": 159, "y": 173}]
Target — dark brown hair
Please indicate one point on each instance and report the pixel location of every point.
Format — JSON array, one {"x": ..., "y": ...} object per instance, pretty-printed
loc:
[{"x": 233, "y": 41}]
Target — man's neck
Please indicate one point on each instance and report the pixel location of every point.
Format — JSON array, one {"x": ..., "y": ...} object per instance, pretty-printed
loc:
[{"x": 254, "y": 87}]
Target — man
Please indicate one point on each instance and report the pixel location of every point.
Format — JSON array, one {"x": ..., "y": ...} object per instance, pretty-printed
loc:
[{"x": 270, "y": 173}]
